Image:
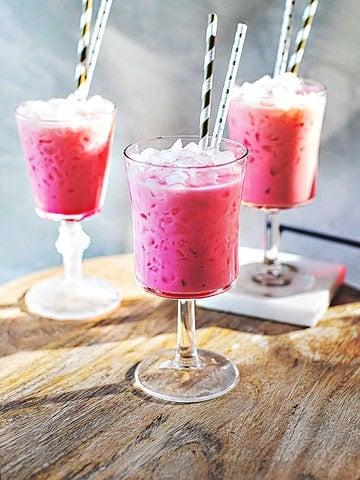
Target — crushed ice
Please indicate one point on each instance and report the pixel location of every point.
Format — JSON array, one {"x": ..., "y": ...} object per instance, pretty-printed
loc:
[
  {"x": 190, "y": 155},
  {"x": 65, "y": 109},
  {"x": 284, "y": 90}
]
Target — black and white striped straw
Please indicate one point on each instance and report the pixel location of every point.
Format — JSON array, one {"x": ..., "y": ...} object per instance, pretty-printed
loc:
[
  {"x": 302, "y": 36},
  {"x": 285, "y": 37},
  {"x": 96, "y": 41},
  {"x": 83, "y": 46},
  {"x": 208, "y": 80},
  {"x": 230, "y": 78}
]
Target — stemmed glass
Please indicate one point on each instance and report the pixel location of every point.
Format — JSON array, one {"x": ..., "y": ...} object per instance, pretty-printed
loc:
[
  {"x": 185, "y": 209},
  {"x": 67, "y": 146},
  {"x": 283, "y": 136}
]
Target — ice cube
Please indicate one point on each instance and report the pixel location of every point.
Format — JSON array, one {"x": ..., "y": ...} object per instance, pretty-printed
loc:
[
  {"x": 177, "y": 177},
  {"x": 177, "y": 146},
  {"x": 192, "y": 147},
  {"x": 220, "y": 158},
  {"x": 149, "y": 155}
]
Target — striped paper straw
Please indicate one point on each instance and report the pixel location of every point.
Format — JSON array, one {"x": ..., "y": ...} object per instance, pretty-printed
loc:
[
  {"x": 96, "y": 40},
  {"x": 302, "y": 36},
  {"x": 231, "y": 73},
  {"x": 83, "y": 45},
  {"x": 208, "y": 80},
  {"x": 285, "y": 37}
]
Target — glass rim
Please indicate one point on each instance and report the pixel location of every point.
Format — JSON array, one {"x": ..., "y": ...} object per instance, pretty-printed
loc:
[
  {"x": 237, "y": 158},
  {"x": 55, "y": 121}
]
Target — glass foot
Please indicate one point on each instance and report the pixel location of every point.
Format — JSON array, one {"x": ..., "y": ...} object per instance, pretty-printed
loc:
[
  {"x": 157, "y": 376},
  {"x": 273, "y": 275},
  {"x": 257, "y": 279},
  {"x": 91, "y": 298}
]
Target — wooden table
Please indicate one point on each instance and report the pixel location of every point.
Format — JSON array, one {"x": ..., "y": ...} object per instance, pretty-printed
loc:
[{"x": 69, "y": 409}]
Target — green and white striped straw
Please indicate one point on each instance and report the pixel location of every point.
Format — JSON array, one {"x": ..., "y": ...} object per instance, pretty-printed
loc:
[
  {"x": 230, "y": 78},
  {"x": 208, "y": 80},
  {"x": 285, "y": 37},
  {"x": 83, "y": 45},
  {"x": 302, "y": 36}
]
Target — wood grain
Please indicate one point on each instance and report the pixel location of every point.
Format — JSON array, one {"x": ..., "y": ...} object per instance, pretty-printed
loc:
[{"x": 69, "y": 409}]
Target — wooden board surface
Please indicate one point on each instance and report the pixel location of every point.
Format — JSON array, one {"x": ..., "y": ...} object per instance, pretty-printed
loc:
[{"x": 69, "y": 409}]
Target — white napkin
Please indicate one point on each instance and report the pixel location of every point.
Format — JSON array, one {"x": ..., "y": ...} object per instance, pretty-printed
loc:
[{"x": 299, "y": 309}]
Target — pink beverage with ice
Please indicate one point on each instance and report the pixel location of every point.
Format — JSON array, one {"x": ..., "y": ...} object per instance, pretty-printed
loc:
[
  {"x": 185, "y": 207},
  {"x": 67, "y": 146},
  {"x": 279, "y": 120}
]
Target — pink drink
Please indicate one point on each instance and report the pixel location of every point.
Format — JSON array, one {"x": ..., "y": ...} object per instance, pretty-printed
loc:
[
  {"x": 280, "y": 123},
  {"x": 67, "y": 145},
  {"x": 186, "y": 225}
]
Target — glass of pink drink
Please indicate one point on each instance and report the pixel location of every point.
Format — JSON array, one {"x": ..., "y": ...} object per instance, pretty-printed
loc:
[
  {"x": 67, "y": 147},
  {"x": 280, "y": 121},
  {"x": 185, "y": 205}
]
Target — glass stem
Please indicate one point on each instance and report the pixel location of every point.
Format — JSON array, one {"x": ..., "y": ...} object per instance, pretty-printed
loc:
[
  {"x": 71, "y": 244},
  {"x": 186, "y": 352},
  {"x": 271, "y": 239}
]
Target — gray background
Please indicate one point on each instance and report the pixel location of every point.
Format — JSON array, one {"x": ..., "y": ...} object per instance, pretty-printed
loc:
[{"x": 151, "y": 66}]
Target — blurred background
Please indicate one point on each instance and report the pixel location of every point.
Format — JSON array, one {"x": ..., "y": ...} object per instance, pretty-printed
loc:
[{"x": 151, "y": 66}]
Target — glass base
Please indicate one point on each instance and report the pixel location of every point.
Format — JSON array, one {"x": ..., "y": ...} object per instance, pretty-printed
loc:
[
  {"x": 257, "y": 279},
  {"x": 273, "y": 275},
  {"x": 159, "y": 377},
  {"x": 89, "y": 299}
]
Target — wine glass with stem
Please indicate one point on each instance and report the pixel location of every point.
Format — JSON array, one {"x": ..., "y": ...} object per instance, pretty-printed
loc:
[
  {"x": 185, "y": 205},
  {"x": 283, "y": 137},
  {"x": 67, "y": 146}
]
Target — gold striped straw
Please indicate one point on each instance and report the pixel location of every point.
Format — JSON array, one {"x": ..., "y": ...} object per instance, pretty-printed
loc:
[
  {"x": 285, "y": 37},
  {"x": 83, "y": 45},
  {"x": 302, "y": 36},
  {"x": 96, "y": 40},
  {"x": 230, "y": 78},
  {"x": 208, "y": 80}
]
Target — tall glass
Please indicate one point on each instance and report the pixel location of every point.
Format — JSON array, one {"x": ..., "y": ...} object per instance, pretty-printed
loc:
[
  {"x": 185, "y": 224},
  {"x": 67, "y": 146},
  {"x": 282, "y": 132}
]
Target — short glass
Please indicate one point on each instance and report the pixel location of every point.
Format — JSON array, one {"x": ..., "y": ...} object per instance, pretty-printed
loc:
[{"x": 186, "y": 229}]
